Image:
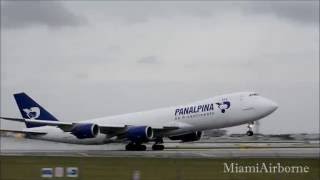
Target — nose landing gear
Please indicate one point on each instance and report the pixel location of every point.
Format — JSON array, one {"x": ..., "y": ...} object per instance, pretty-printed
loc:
[{"x": 250, "y": 126}]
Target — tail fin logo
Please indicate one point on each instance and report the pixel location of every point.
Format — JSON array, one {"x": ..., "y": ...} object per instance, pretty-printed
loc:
[{"x": 33, "y": 112}]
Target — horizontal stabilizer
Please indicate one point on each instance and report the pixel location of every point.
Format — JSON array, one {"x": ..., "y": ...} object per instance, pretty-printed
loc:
[
  {"x": 23, "y": 132},
  {"x": 13, "y": 119}
]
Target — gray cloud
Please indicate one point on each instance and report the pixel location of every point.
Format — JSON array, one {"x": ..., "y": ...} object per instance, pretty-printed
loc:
[
  {"x": 131, "y": 12},
  {"x": 299, "y": 11},
  {"x": 19, "y": 14},
  {"x": 148, "y": 60}
]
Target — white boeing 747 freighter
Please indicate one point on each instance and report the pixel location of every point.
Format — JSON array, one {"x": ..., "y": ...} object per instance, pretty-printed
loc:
[{"x": 184, "y": 122}]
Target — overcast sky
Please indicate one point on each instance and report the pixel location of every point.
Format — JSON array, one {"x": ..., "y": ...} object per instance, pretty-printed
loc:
[{"x": 83, "y": 59}]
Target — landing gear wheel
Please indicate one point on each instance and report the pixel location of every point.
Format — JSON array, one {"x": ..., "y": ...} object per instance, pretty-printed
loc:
[
  {"x": 249, "y": 133},
  {"x": 130, "y": 147},
  {"x": 157, "y": 147},
  {"x": 158, "y": 144},
  {"x": 135, "y": 147},
  {"x": 142, "y": 147}
]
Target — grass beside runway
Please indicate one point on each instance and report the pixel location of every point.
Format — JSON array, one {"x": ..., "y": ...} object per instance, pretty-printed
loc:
[{"x": 29, "y": 167}]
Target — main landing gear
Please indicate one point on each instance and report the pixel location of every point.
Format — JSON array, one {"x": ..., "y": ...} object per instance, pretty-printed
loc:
[
  {"x": 158, "y": 145},
  {"x": 250, "y": 126},
  {"x": 135, "y": 147}
]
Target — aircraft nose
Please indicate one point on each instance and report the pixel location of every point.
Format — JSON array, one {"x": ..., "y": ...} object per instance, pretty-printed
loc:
[{"x": 270, "y": 106}]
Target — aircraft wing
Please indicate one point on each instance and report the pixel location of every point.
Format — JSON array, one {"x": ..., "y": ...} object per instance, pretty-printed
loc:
[{"x": 111, "y": 130}]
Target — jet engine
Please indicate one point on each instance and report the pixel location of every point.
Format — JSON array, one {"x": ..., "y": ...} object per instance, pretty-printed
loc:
[
  {"x": 139, "y": 134},
  {"x": 194, "y": 136},
  {"x": 83, "y": 131}
]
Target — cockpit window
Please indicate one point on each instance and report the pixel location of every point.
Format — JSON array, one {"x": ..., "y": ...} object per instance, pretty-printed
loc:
[{"x": 254, "y": 94}]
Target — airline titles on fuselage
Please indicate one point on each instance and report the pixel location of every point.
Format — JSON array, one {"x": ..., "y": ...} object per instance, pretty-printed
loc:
[
  {"x": 200, "y": 110},
  {"x": 194, "y": 111}
]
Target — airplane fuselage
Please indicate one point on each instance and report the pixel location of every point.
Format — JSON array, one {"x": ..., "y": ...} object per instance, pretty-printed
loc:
[{"x": 217, "y": 112}]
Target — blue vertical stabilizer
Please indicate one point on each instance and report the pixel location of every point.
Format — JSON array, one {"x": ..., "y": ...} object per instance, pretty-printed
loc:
[{"x": 29, "y": 109}]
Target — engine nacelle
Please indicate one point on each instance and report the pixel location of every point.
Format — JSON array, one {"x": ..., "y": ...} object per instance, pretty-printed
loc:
[
  {"x": 139, "y": 134},
  {"x": 83, "y": 131},
  {"x": 194, "y": 136}
]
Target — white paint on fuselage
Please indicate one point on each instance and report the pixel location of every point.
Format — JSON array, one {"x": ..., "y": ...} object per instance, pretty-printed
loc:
[{"x": 245, "y": 107}]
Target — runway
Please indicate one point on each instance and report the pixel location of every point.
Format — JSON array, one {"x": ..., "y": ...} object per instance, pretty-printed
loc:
[
  {"x": 208, "y": 149},
  {"x": 197, "y": 160},
  {"x": 180, "y": 153}
]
